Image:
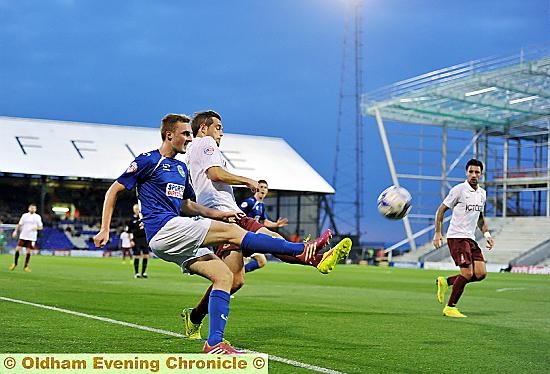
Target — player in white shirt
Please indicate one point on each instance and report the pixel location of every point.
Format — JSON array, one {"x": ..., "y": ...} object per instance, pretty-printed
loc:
[
  {"x": 28, "y": 227},
  {"x": 126, "y": 243},
  {"x": 212, "y": 183},
  {"x": 467, "y": 200}
]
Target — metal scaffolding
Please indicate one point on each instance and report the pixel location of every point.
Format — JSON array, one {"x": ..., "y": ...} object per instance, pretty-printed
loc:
[{"x": 495, "y": 109}]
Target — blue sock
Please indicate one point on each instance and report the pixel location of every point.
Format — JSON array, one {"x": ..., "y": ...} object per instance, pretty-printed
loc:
[
  {"x": 262, "y": 243},
  {"x": 251, "y": 266},
  {"x": 218, "y": 310}
]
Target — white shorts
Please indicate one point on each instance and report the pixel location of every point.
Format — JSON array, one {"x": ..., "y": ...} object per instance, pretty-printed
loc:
[{"x": 179, "y": 240}]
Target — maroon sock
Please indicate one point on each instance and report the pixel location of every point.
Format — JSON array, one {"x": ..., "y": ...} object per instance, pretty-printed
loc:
[
  {"x": 451, "y": 280},
  {"x": 288, "y": 259},
  {"x": 16, "y": 259},
  {"x": 27, "y": 259},
  {"x": 458, "y": 287},
  {"x": 201, "y": 309}
]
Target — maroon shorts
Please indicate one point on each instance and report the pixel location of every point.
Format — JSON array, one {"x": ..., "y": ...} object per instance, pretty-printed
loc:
[
  {"x": 29, "y": 244},
  {"x": 464, "y": 251},
  {"x": 247, "y": 223}
]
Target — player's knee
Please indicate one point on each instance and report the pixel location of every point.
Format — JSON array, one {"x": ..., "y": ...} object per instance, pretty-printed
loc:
[
  {"x": 238, "y": 282},
  {"x": 265, "y": 230},
  {"x": 261, "y": 260},
  {"x": 466, "y": 273},
  {"x": 234, "y": 234},
  {"x": 223, "y": 278},
  {"x": 480, "y": 276}
]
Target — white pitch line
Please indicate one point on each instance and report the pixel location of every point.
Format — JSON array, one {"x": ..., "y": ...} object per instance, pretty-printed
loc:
[
  {"x": 166, "y": 332},
  {"x": 510, "y": 289}
]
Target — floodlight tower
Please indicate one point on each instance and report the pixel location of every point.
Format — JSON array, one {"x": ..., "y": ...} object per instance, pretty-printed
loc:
[
  {"x": 350, "y": 128},
  {"x": 357, "y": 7}
]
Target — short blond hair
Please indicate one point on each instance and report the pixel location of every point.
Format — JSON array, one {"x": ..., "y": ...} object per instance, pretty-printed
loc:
[{"x": 169, "y": 121}]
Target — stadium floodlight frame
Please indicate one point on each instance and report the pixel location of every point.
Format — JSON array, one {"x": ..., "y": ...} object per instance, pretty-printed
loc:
[{"x": 499, "y": 96}]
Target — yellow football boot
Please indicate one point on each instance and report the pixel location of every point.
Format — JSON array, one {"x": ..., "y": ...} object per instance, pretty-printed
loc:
[
  {"x": 190, "y": 329},
  {"x": 334, "y": 256},
  {"x": 451, "y": 311}
]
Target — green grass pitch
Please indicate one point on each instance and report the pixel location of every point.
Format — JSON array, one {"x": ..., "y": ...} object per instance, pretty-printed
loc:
[{"x": 355, "y": 320}]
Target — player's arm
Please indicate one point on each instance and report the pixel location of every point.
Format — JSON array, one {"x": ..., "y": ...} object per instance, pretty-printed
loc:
[
  {"x": 109, "y": 203},
  {"x": 482, "y": 225},
  {"x": 190, "y": 208},
  {"x": 272, "y": 225},
  {"x": 438, "y": 236},
  {"x": 17, "y": 228},
  {"x": 219, "y": 174}
]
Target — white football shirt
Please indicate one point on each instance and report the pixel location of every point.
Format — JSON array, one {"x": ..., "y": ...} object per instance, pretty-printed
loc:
[
  {"x": 29, "y": 225},
  {"x": 466, "y": 204},
  {"x": 125, "y": 240},
  {"x": 202, "y": 154}
]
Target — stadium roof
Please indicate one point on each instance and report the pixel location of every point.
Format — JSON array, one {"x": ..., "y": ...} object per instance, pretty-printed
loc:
[
  {"x": 502, "y": 93},
  {"x": 72, "y": 149}
]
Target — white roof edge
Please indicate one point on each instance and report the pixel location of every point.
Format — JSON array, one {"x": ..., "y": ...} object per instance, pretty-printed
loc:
[{"x": 103, "y": 151}]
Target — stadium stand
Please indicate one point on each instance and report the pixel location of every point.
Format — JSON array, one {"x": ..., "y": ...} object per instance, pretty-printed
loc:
[
  {"x": 93, "y": 155},
  {"x": 515, "y": 237},
  {"x": 51, "y": 238}
]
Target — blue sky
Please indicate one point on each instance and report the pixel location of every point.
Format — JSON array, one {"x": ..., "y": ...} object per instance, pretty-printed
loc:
[{"x": 270, "y": 67}]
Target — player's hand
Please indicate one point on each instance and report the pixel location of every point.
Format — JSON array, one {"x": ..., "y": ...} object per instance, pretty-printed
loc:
[
  {"x": 490, "y": 243},
  {"x": 101, "y": 238},
  {"x": 14, "y": 234},
  {"x": 253, "y": 185},
  {"x": 231, "y": 217},
  {"x": 438, "y": 239},
  {"x": 282, "y": 222}
]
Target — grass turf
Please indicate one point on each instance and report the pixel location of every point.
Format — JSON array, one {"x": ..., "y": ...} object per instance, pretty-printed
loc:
[{"x": 355, "y": 320}]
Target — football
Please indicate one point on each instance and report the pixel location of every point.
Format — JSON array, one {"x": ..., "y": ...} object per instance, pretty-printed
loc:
[{"x": 394, "y": 202}]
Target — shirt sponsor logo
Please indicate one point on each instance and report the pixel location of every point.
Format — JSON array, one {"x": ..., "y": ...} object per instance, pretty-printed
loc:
[
  {"x": 175, "y": 190},
  {"x": 132, "y": 168},
  {"x": 209, "y": 151},
  {"x": 474, "y": 207},
  {"x": 166, "y": 167}
]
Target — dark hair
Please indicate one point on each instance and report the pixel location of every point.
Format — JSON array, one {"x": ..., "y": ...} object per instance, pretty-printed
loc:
[
  {"x": 203, "y": 117},
  {"x": 474, "y": 162},
  {"x": 263, "y": 181},
  {"x": 169, "y": 121}
]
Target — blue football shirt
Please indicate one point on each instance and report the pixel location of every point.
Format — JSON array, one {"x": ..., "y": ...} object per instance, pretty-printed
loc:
[
  {"x": 254, "y": 209},
  {"x": 162, "y": 184}
]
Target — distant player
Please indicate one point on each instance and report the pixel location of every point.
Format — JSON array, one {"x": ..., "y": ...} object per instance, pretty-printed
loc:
[
  {"x": 28, "y": 227},
  {"x": 126, "y": 243},
  {"x": 254, "y": 208},
  {"x": 467, "y": 200},
  {"x": 140, "y": 248},
  {"x": 165, "y": 191},
  {"x": 213, "y": 185}
]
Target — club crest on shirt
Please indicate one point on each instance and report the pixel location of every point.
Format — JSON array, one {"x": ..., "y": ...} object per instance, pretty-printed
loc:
[
  {"x": 132, "y": 168},
  {"x": 180, "y": 170},
  {"x": 209, "y": 151},
  {"x": 175, "y": 190}
]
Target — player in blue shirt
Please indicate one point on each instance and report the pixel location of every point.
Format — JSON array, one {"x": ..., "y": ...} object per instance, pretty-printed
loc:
[
  {"x": 254, "y": 208},
  {"x": 164, "y": 191}
]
